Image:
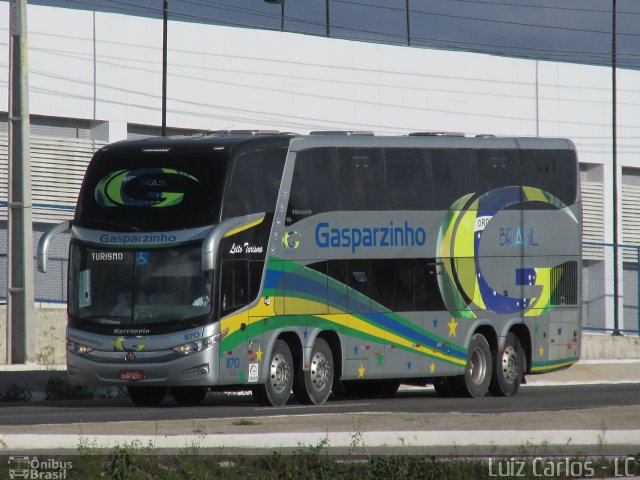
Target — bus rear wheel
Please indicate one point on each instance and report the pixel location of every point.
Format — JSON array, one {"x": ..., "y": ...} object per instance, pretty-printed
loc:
[
  {"x": 277, "y": 390},
  {"x": 313, "y": 386},
  {"x": 147, "y": 396},
  {"x": 477, "y": 375},
  {"x": 509, "y": 367},
  {"x": 188, "y": 395}
]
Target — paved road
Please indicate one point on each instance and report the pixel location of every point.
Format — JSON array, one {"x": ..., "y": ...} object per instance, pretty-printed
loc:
[
  {"x": 533, "y": 399},
  {"x": 584, "y": 419}
]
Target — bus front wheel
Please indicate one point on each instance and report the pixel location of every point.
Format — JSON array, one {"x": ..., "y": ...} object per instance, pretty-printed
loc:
[
  {"x": 509, "y": 368},
  {"x": 477, "y": 375},
  {"x": 147, "y": 395},
  {"x": 313, "y": 386},
  {"x": 277, "y": 390}
]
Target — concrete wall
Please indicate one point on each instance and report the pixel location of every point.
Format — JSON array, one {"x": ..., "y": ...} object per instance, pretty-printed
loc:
[{"x": 51, "y": 324}]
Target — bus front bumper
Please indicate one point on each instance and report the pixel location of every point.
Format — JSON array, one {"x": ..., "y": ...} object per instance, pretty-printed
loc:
[{"x": 196, "y": 369}]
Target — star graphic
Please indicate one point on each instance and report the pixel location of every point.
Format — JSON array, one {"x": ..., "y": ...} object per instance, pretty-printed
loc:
[
  {"x": 355, "y": 349},
  {"x": 432, "y": 368},
  {"x": 305, "y": 334},
  {"x": 453, "y": 325},
  {"x": 541, "y": 351},
  {"x": 409, "y": 365},
  {"x": 259, "y": 353},
  {"x": 380, "y": 358},
  {"x": 435, "y": 323},
  {"x": 361, "y": 371}
]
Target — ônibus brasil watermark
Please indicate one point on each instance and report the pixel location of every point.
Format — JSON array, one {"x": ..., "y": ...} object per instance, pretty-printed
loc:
[{"x": 35, "y": 468}]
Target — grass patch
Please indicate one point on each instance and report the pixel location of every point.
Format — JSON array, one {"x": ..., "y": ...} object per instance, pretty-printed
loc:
[
  {"x": 242, "y": 422},
  {"x": 314, "y": 462},
  {"x": 16, "y": 393}
]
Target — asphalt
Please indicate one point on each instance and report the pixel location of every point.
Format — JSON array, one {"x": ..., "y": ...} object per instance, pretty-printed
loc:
[{"x": 577, "y": 431}]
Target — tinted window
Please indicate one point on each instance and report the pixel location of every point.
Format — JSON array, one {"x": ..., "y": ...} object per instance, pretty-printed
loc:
[
  {"x": 408, "y": 173},
  {"x": 454, "y": 175},
  {"x": 362, "y": 179},
  {"x": 134, "y": 190},
  {"x": 498, "y": 168},
  {"x": 337, "y": 292},
  {"x": 314, "y": 185},
  {"x": 427, "y": 290},
  {"x": 255, "y": 182},
  {"x": 358, "y": 276},
  {"x": 392, "y": 284},
  {"x": 234, "y": 285},
  {"x": 553, "y": 171}
]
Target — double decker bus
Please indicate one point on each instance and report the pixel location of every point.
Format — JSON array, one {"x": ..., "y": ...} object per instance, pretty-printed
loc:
[{"x": 329, "y": 262}]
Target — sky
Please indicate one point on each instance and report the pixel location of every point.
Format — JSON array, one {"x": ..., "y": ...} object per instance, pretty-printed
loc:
[{"x": 569, "y": 30}]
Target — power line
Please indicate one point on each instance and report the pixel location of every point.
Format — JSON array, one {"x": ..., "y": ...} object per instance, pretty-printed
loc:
[{"x": 626, "y": 60}]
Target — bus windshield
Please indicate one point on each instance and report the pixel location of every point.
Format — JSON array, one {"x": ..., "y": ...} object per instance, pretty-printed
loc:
[
  {"x": 116, "y": 288},
  {"x": 132, "y": 191}
]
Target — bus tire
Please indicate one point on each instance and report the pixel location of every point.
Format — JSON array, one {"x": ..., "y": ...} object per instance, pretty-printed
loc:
[
  {"x": 146, "y": 396},
  {"x": 477, "y": 375},
  {"x": 277, "y": 390},
  {"x": 313, "y": 386},
  {"x": 188, "y": 395},
  {"x": 509, "y": 367}
]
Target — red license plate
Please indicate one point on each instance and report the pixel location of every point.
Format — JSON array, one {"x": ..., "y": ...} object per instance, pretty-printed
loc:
[{"x": 131, "y": 375}]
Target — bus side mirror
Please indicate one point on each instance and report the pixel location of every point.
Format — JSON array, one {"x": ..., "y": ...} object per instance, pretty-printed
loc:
[{"x": 45, "y": 242}]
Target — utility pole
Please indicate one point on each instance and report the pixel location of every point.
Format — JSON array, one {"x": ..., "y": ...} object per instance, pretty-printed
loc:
[
  {"x": 614, "y": 141},
  {"x": 165, "y": 16},
  {"x": 20, "y": 315},
  {"x": 327, "y": 18},
  {"x": 408, "y": 24}
]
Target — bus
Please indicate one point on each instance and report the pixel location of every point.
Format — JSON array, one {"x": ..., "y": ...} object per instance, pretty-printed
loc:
[{"x": 333, "y": 262}]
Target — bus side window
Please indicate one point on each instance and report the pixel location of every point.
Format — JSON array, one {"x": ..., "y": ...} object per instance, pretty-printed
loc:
[
  {"x": 408, "y": 173},
  {"x": 428, "y": 297},
  {"x": 234, "y": 285},
  {"x": 392, "y": 284},
  {"x": 314, "y": 184},
  {"x": 358, "y": 276},
  {"x": 457, "y": 176},
  {"x": 255, "y": 277},
  {"x": 254, "y": 183},
  {"x": 498, "y": 168},
  {"x": 362, "y": 179},
  {"x": 552, "y": 171}
]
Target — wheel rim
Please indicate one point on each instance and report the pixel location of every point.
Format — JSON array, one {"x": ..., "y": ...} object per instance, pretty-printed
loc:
[
  {"x": 478, "y": 366},
  {"x": 320, "y": 371},
  {"x": 280, "y": 373},
  {"x": 510, "y": 364}
]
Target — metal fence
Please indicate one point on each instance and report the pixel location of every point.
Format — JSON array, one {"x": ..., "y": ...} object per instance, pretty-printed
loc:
[
  {"x": 597, "y": 278},
  {"x": 49, "y": 288},
  {"x": 598, "y": 306}
]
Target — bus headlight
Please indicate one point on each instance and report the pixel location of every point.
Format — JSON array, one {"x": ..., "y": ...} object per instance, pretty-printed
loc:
[
  {"x": 78, "y": 348},
  {"x": 198, "y": 345}
]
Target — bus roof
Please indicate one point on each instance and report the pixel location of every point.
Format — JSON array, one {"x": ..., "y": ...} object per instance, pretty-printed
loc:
[{"x": 234, "y": 138}]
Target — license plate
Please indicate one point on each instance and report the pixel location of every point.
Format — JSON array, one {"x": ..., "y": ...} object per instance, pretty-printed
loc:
[{"x": 131, "y": 374}]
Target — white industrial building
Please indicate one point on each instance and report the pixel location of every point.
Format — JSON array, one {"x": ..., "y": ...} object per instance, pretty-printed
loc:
[{"x": 96, "y": 77}]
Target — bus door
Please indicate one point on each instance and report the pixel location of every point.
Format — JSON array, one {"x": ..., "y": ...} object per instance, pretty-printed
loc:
[{"x": 243, "y": 346}]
